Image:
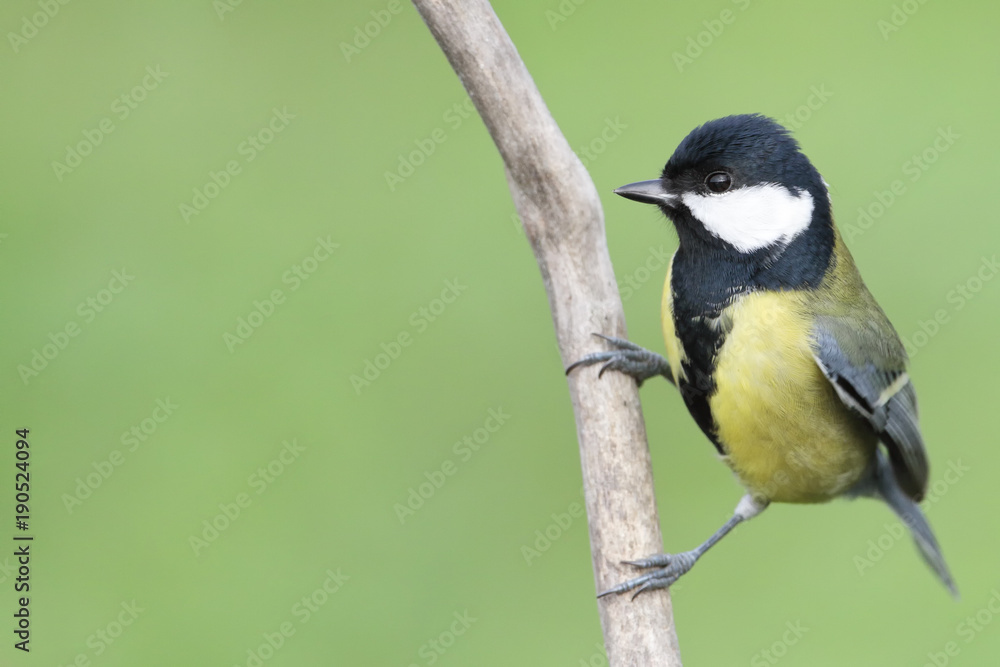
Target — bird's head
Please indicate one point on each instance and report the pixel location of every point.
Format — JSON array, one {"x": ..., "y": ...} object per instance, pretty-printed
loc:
[{"x": 740, "y": 182}]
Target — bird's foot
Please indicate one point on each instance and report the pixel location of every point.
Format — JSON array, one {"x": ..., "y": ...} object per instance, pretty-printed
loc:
[
  {"x": 627, "y": 358},
  {"x": 669, "y": 568}
]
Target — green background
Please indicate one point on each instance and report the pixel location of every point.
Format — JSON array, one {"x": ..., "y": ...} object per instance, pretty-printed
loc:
[{"x": 334, "y": 504}]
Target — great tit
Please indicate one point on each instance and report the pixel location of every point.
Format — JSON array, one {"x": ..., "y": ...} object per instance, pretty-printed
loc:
[{"x": 780, "y": 352}]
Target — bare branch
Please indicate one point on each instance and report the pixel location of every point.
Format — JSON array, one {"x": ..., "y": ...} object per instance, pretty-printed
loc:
[{"x": 562, "y": 217}]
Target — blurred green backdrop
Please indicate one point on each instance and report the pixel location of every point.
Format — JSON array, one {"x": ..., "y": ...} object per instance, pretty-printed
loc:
[{"x": 215, "y": 215}]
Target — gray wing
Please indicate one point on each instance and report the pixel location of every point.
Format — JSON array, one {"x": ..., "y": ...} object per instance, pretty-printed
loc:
[{"x": 872, "y": 380}]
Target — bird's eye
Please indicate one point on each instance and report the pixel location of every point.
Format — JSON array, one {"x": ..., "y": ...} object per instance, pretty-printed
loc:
[{"x": 718, "y": 181}]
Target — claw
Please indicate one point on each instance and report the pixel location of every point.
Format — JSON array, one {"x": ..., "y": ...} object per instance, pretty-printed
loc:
[
  {"x": 659, "y": 560},
  {"x": 669, "y": 568},
  {"x": 595, "y": 357},
  {"x": 627, "y": 358},
  {"x": 592, "y": 358},
  {"x": 620, "y": 343},
  {"x": 645, "y": 587},
  {"x": 620, "y": 588}
]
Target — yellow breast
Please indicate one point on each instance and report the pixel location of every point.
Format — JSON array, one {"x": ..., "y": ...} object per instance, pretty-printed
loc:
[{"x": 787, "y": 435}]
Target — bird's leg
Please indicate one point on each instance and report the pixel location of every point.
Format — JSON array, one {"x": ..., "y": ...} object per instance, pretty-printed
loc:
[
  {"x": 670, "y": 567},
  {"x": 627, "y": 358}
]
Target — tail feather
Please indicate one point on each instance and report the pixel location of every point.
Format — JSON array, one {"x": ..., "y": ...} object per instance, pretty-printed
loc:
[{"x": 909, "y": 513}]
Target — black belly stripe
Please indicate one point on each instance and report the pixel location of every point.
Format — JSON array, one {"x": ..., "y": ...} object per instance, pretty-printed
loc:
[
  {"x": 708, "y": 275},
  {"x": 701, "y": 345}
]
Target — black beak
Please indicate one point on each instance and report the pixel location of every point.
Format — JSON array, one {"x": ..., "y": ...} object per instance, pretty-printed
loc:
[{"x": 647, "y": 192}]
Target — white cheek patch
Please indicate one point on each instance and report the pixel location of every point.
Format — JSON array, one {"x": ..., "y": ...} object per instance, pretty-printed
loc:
[{"x": 754, "y": 217}]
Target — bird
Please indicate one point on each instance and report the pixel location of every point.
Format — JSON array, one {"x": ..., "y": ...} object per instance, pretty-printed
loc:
[{"x": 780, "y": 352}]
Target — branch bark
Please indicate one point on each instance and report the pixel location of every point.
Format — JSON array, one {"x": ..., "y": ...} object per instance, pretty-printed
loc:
[{"x": 562, "y": 217}]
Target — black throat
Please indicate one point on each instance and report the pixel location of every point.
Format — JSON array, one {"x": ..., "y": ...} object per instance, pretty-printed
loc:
[{"x": 708, "y": 275}]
